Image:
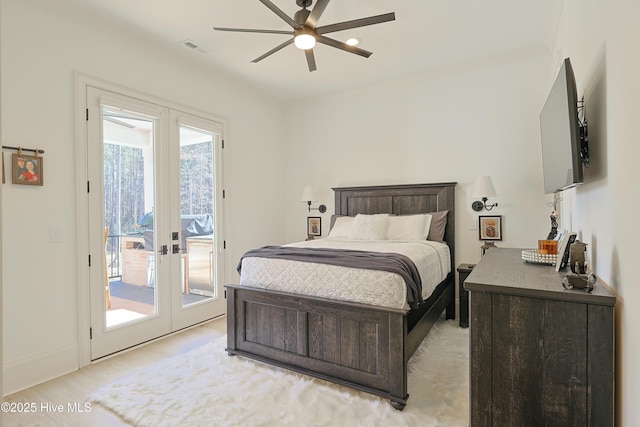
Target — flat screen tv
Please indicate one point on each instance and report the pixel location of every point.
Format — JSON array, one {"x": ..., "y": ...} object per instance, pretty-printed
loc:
[{"x": 563, "y": 134}]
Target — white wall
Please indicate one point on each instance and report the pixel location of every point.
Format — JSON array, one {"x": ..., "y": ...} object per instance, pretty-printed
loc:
[
  {"x": 1, "y": 258},
  {"x": 40, "y": 51},
  {"x": 452, "y": 124},
  {"x": 602, "y": 38}
]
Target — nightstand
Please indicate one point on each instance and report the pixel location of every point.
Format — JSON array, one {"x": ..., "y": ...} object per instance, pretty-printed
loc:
[{"x": 463, "y": 295}]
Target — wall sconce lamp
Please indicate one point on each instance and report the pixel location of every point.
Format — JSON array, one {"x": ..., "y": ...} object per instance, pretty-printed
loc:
[
  {"x": 309, "y": 196},
  {"x": 483, "y": 189}
]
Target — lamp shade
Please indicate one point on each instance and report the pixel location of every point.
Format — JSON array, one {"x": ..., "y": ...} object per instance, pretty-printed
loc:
[
  {"x": 484, "y": 187},
  {"x": 308, "y": 195}
]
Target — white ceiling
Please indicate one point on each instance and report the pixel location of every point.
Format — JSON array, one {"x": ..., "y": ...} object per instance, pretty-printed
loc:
[{"x": 426, "y": 35}]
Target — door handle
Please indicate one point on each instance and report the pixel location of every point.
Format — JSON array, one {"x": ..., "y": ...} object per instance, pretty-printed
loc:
[
  {"x": 163, "y": 250},
  {"x": 211, "y": 267},
  {"x": 176, "y": 249}
]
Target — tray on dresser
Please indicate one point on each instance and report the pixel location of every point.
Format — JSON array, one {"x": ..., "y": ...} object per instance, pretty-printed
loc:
[{"x": 532, "y": 255}]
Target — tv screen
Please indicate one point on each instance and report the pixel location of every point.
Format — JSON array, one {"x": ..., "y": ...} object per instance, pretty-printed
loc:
[{"x": 560, "y": 134}]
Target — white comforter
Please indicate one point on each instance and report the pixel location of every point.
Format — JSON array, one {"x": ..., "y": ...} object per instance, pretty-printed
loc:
[{"x": 373, "y": 287}]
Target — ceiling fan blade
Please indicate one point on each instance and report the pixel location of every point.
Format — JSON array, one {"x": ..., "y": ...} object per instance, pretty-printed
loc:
[
  {"x": 249, "y": 30},
  {"x": 274, "y": 50},
  {"x": 356, "y": 23},
  {"x": 316, "y": 13},
  {"x": 275, "y": 9},
  {"x": 311, "y": 59},
  {"x": 339, "y": 45}
]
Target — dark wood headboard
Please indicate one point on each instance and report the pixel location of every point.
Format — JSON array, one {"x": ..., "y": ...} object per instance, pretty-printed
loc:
[{"x": 401, "y": 200}]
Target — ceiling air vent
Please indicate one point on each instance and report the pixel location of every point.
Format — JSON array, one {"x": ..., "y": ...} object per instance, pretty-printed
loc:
[{"x": 194, "y": 46}]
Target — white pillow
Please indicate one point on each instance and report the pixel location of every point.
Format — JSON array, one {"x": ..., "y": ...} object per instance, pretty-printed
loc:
[
  {"x": 370, "y": 227},
  {"x": 341, "y": 228},
  {"x": 409, "y": 227}
]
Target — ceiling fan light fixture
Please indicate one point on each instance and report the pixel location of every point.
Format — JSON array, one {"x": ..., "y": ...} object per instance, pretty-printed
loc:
[{"x": 305, "y": 41}]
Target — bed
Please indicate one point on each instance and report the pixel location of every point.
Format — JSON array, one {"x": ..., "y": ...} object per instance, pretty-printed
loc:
[{"x": 359, "y": 345}]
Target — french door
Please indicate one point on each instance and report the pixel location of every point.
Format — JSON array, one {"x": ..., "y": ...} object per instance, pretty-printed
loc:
[{"x": 155, "y": 220}]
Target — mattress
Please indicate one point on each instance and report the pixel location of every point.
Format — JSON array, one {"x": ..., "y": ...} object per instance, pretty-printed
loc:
[{"x": 373, "y": 287}]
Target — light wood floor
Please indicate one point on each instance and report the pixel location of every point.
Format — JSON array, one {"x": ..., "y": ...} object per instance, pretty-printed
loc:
[{"x": 75, "y": 387}]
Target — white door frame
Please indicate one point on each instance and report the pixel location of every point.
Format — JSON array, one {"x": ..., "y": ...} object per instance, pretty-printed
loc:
[{"x": 82, "y": 81}]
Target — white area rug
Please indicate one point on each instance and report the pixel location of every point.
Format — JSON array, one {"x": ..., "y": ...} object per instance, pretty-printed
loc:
[{"x": 206, "y": 387}]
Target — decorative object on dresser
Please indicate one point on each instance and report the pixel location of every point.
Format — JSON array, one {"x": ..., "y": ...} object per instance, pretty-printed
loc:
[
  {"x": 484, "y": 189},
  {"x": 532, "y": 255},
  {"x": 554, "y": 225},
  {"x": 580, "y": 277},
  {"x": 577, "y": 255},
  {"x": 539, "y": 354},
  {"x": 548, "y": 247},
  {"x": 553, "y": 234},
  {"x": 568, "y": 237},
  {"x": 308, "y": 197},
  {"x": 547, "y": 253},
  {"x": 356, "y": 344},
  {"x": 584, "y": 282}
]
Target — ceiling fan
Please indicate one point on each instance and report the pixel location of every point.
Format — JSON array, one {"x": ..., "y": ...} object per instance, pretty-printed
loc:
[{"x": 306, "y": 31}]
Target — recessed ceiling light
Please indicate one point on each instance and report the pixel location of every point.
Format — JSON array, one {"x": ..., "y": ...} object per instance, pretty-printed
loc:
[{"x": 353, "y": 41}]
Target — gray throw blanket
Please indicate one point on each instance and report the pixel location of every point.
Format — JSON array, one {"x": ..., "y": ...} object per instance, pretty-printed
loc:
[{"x": 391, "y": 262}]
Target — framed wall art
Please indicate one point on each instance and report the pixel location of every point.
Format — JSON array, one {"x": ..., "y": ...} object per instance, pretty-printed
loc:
[
  {"x": 27, "y": 170},
  {"x": 314, "y": 226},
  {"x": 566, "y": 240},
  {"x": 490, "y": 227}
]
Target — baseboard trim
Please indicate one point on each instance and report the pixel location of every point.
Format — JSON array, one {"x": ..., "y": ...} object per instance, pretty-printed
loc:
[{"x": 37, "y": 368}]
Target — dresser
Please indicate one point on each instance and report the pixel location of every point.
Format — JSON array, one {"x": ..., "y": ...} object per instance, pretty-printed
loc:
[{"x": 540, "y": 355}]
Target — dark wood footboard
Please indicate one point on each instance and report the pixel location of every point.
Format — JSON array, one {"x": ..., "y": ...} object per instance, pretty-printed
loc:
[{"x": 357, "y": 345}]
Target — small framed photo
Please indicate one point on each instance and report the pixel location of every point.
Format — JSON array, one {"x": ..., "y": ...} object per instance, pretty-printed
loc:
[
  {"x": 567, "y": 238},
  {"x": 314, "y": 226},
  {"x": 27, "y": 170},
  {"x": 490, "y": 227}
]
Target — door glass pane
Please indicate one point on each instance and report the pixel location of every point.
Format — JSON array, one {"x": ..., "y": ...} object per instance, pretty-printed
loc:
[
  {"x": 128, "y": 149},
  {"x": 197, "y": 198}
]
